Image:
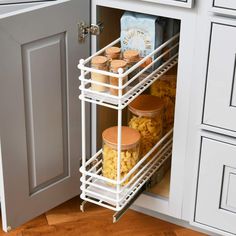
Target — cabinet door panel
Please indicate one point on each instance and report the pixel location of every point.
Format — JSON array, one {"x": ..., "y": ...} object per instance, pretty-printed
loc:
[
  {"x": 40, "y": 110},
  {"x": 220, "y": 101},
  {"x": 44, "y": 70},
  {"x": 216, "y": 205}
]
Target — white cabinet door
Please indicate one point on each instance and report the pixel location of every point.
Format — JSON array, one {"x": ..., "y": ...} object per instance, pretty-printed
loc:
[
  {"x": 216, "y": 193},
  {"x": 39, "y": 108},
  {"x": 220, "y": 100}
]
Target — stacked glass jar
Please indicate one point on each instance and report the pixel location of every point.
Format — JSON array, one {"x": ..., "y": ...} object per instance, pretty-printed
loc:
[
  {"x": 146, "y": 116},
  {"x": 130, "y": 148},
  {"x": 112, "y": 61}
]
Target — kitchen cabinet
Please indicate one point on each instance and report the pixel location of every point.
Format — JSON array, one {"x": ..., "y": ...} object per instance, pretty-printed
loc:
[
  {"x": 41, "y": 118},
  {"x": 211, "y": 125},
  {"x": 40, "y": 112}
]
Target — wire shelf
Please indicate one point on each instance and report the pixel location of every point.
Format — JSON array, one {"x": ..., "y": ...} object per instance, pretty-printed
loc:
[
  {"x": 97, "y": 188},
  {"x": 159, "y": 68}
]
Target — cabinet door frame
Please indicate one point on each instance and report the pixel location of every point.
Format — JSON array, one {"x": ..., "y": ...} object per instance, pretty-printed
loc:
[{"x": 173, "y": 205}]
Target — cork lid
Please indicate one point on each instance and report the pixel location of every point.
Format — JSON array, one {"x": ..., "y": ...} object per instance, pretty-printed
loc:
[
  {"x": 129, "y": 137},
  {"x": 116, "y": 64},
  {"x": 99, "y": 60},
  {"x": 146, "y": 105},
  {"x": 131, "y": 55},
  {"x": 112, "y": 50}
]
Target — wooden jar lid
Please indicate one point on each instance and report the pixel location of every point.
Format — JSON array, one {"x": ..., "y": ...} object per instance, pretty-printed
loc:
[
  {"x": 116, "y": 64},
  {"x": 129, "y": 137},
  {"x": 146, "y": 105},
  {"x": 112, "y": 50},
  {"x": 99, "y": 60},
  {"x": 131, "y": 55}
]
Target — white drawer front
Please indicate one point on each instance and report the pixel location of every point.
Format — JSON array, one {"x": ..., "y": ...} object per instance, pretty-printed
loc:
[
  {"x": 216, "y": 194},
  {"x": 220, "y": 99},
  {"x": 179, "y": 3},
  {"x": 225, "y": 4}
]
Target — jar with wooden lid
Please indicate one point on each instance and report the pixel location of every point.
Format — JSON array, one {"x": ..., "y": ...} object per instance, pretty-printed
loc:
[
  {"x": 131, "y": 57},
  {"x": 130, "y": 145},
  {"x": 100, "y": 63},
  {"x": 114, "y": 67},
  {"x": 146, "y": 116},
  {"x": 113, "y": 53}
]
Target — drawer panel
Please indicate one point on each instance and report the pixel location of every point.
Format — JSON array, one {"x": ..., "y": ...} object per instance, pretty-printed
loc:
[
  {"x": 227, "y": 5},
  {"x": 220, "y": 98},
  {"x": 216, "y": 194},
  {"x": 179, "y": 3},
  {"x": 229, "y": 190}
]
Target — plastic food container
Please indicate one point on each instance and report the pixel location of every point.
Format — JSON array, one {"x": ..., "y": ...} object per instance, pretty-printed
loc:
[
  {"x": 100, "y": 63},
  {"x": 146, "y": 116},
  {"x": 130, "y": 146},
  {"x": 113, "y": 53},
  {"x": 114, "y": 66}
]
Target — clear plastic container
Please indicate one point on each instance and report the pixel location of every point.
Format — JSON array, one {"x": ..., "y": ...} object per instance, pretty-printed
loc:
[
  {"x": 100, "y": 63},
  {"x": 146, "y": 116},
  {"x": 114, "y": 66},
  {"x": 130, "y": 148}
]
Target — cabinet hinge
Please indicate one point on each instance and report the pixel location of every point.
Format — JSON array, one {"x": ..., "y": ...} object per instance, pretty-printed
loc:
[{"x": 84, "y": 30}]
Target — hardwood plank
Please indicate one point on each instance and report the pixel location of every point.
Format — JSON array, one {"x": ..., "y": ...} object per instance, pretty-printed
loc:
[
  {"x": 37, "y": 222},
  {"x": 68, "y": 220}
]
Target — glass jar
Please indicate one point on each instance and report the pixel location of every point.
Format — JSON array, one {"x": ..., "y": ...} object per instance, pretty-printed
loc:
[
  {"x": 130, "y": 145},
  {"x": 100, "y": 63},
  {"x": 165, "y": 88},
  {"x": 146, "y": 116},
  {"x": 131, "y": 57},
  {"x": 112, "y": 53},
  {"x": 114, "y": 66}
]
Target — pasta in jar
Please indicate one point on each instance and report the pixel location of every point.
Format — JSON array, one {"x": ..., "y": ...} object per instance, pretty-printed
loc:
[
  {"x": 165, "y": 88},
  {"x": 146, "y": 116},
  {"x": 130, "y": 145}
]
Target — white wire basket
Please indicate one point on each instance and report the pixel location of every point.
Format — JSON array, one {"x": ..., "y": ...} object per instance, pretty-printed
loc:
[
  {"x": 95, "y": 187},
  {"x": 122, "y": 100},
  {"x": 100, "y": 190}
]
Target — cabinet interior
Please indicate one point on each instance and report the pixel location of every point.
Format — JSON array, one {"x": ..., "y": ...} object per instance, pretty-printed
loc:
[{"x": 107, "y": 117}]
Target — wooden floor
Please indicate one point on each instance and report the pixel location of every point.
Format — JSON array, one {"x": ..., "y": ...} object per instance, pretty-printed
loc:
[{"x": 67, "y": 220}]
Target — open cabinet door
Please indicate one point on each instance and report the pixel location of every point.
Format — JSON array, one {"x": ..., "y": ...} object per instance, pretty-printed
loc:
[{"x": 39, "y": 108}]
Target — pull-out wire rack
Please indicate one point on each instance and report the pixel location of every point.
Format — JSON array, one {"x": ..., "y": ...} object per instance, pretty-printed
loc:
[{"x": 100, "y": 190}]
